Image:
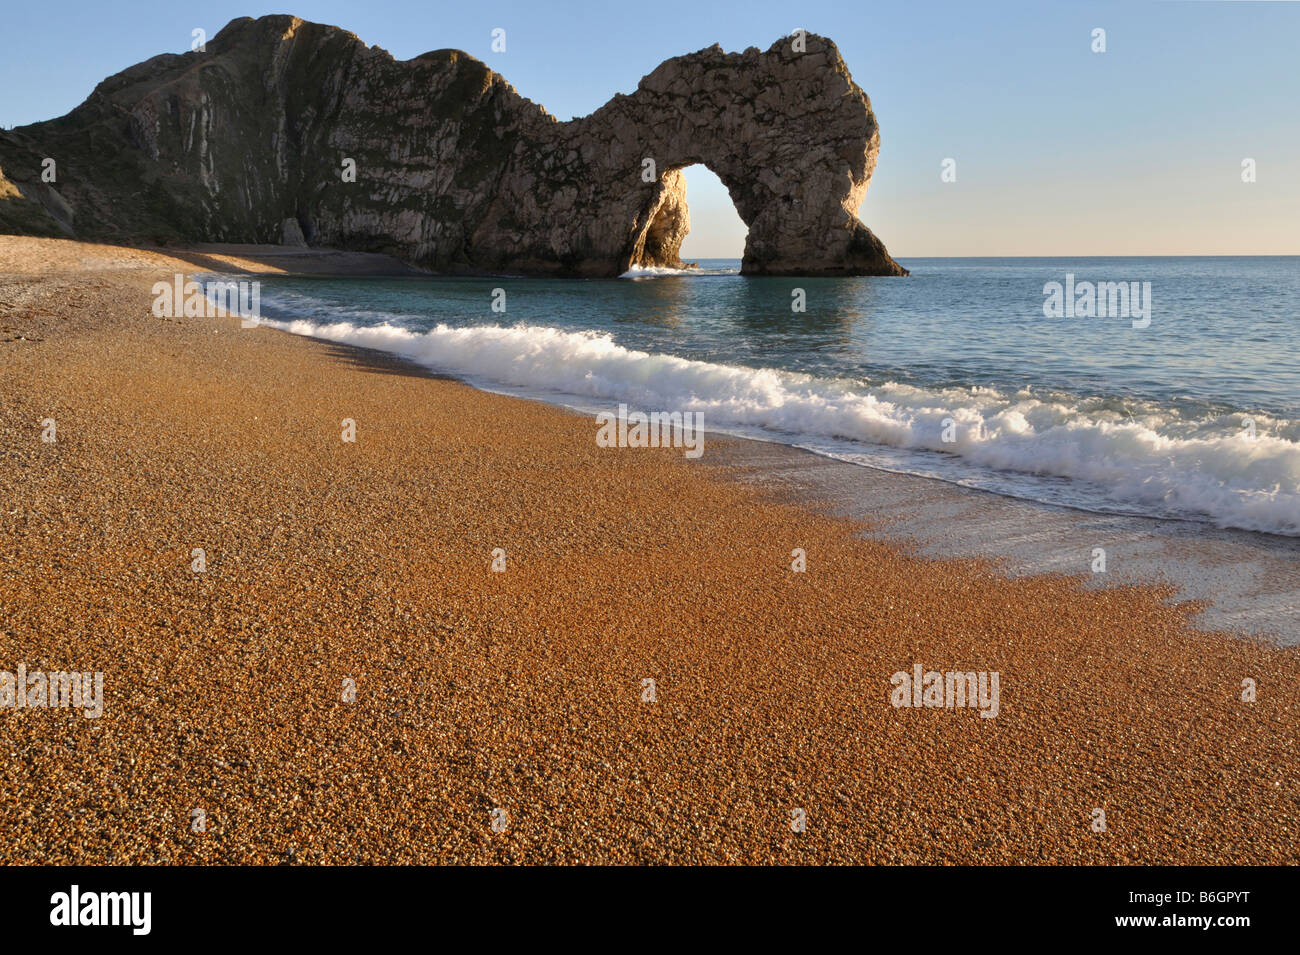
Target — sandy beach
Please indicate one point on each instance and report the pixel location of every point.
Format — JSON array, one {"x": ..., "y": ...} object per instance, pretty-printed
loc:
[{"x": 477, "y": 691}]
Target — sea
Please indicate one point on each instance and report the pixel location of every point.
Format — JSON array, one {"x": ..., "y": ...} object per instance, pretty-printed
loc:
[{"x": 992, "y": 373}]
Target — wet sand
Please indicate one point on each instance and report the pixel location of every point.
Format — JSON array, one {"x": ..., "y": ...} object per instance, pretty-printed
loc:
[
  {"x": 1242, "y": 582},
  {"x": 523, "y": 691}
]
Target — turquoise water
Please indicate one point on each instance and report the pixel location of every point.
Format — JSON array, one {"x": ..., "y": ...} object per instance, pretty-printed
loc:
[{"x": 954, "y": 372}]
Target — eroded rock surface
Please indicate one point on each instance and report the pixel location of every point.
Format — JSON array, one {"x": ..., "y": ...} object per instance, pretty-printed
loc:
[{"x": 249, "y": 141}]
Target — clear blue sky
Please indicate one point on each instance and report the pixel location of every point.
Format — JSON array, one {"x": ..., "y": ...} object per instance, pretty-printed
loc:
[{"x": 1059, "y": 150}]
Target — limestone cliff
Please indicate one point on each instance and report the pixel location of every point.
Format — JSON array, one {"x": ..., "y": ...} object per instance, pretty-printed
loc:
[{"x": 254, "y": 140}]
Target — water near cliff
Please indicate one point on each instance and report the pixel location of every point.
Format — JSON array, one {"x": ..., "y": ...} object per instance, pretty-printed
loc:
[{"x": 954, "y": 373}]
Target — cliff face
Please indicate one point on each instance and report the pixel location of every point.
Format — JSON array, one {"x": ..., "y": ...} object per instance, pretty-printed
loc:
[{"x": 249, "y": 141}]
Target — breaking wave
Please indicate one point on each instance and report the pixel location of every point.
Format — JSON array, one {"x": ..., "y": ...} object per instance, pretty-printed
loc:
[
  {"x": 659, "y": 271},
  {"x": 1100, "y": 453}
]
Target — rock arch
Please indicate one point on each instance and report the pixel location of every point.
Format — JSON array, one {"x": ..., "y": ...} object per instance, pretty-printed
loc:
[
  {"x": 455, "y": 170},
  {"x": 790, "y": 135}
]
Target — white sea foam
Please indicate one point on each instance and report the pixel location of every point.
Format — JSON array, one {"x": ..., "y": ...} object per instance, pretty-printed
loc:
[
  {"x": 1154, "y": 461},
  {"x": 657, "y": 271}
]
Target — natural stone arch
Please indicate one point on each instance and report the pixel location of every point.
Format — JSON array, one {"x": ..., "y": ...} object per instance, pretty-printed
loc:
[
  {"x": 789, "y": 134},
  {"x": 455, "y": 170}
]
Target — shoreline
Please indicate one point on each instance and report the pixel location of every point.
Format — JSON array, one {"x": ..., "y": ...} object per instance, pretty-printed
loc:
[
  {"x": 1258, "y": 599},
  {"x": 524, "y": 690},
  {"x": 1180, "y": 553}
]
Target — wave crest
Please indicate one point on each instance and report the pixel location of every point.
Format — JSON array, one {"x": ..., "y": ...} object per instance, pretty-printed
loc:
[{"x": 1144, "y": 457}]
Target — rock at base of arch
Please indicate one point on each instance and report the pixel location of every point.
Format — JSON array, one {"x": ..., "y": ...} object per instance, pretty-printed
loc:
[{"x": 658, "y": 243}]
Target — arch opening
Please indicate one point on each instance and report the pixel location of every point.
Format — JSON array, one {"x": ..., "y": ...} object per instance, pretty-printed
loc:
[{"x": 672, "y": 234}]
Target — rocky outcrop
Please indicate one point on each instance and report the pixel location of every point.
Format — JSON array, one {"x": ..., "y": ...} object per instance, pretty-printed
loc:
[
  {"x": 667, "y": 221},
  {"x": 283, "y": 130},
  {"x": 32, "y": 210}
]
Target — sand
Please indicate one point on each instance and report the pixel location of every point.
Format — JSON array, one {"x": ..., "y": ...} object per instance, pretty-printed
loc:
[
  {"x": 1245, "y": 582},
  {"x": 522, "y": 691}
]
